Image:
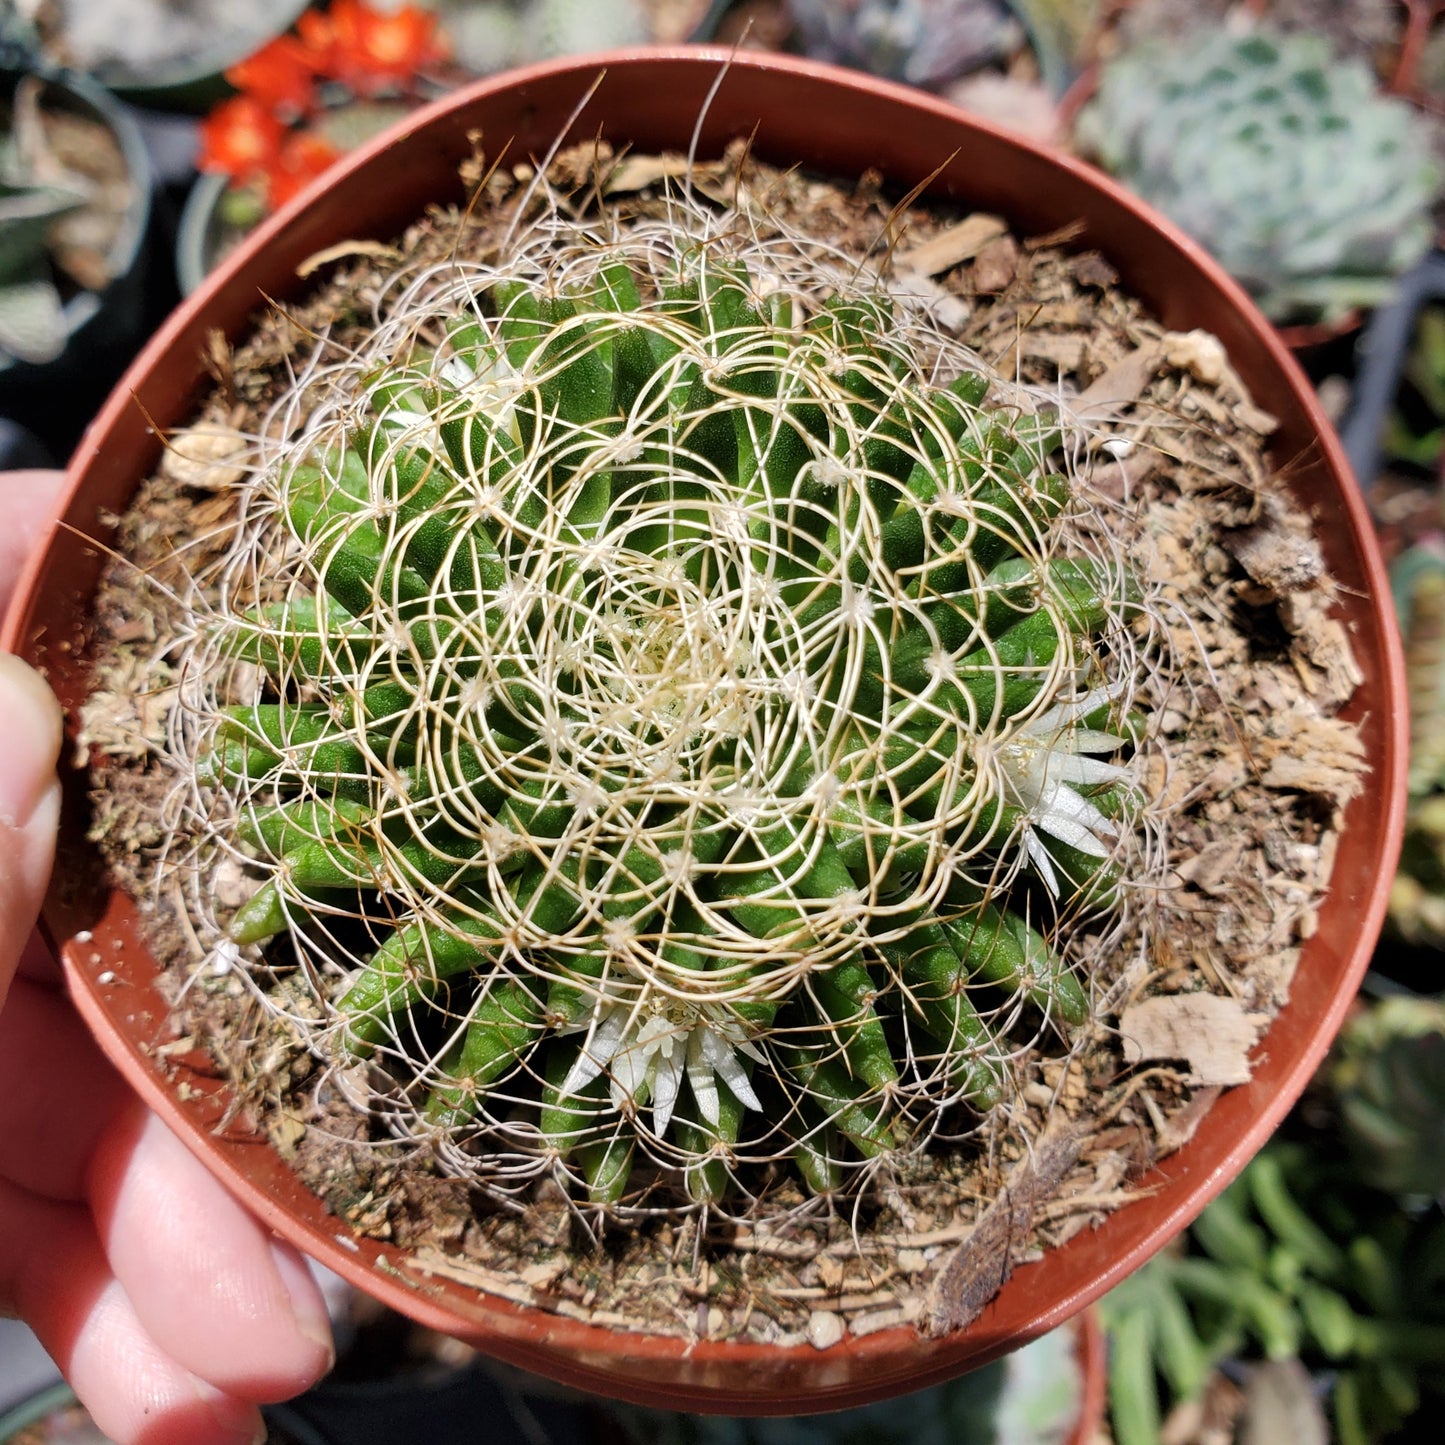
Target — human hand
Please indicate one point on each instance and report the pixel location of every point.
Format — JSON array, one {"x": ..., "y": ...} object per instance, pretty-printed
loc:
[{"x": 170, "y": 1310}]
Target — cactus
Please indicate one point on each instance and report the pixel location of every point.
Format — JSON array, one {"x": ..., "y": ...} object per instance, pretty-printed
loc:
[
  {"x": 1313, "y": 190},
  {"x": 675, "y": 715}
]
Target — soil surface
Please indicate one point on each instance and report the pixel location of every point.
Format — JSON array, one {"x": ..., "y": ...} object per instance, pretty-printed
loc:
[{"x": 1251, "y": 767}]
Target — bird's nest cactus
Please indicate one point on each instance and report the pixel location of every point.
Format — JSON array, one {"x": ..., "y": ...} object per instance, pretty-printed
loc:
[{"x": 680, "y": 712}]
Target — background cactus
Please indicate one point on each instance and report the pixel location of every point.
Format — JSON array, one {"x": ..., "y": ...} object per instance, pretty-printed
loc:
[
  {"x": 678, "y": 721},
  {"x": 1311, "y": 188}
]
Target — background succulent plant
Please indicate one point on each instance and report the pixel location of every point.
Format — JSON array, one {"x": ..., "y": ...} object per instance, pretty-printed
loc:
[
  {"x": 1389, "y": 1074},
  {"x": 494, "y": 34},
  {"x": 1417, "y": 896},
  {"x": 924, "y": 42},
  {"x": 32, "y": 317},
  {"x": 1327, "y": 1252},
  {"x": 35, "y": 192},
  {"x": 680, "y": 722},
  {"x": 1311, "y": 188}
]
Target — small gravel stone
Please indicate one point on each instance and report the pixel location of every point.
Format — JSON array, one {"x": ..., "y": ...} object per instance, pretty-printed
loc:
[{"x": 825, "y": 1329}]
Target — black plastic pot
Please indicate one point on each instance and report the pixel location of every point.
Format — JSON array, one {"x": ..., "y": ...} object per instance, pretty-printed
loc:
[
  {"x": 1380, "y": 360},
  {"x": 474, "y": 1402}
]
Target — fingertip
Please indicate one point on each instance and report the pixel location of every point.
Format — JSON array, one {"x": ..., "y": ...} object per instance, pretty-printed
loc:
[
  {"x": 231, "y": 1304},
  {"x": 33, "y": 731},
  {"x": 308, "y": 1306},
  {"x": 29, "y": 803}
]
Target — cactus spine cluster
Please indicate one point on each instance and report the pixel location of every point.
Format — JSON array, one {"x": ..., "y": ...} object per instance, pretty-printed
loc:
[
  {"x": 1311, "y": 189},
  {"x": 674, "y": 716}
]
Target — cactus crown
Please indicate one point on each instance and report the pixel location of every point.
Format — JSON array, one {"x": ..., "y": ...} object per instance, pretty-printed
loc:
[
  {"x": 1311, "y": 188},
  {"x": 674, "y": 717}
]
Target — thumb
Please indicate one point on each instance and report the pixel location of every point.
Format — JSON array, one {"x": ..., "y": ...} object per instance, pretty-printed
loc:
[{"x": 29, "y": 804}]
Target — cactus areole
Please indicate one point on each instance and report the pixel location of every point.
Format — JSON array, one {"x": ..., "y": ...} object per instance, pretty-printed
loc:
[{"x": 676, "y": 708}]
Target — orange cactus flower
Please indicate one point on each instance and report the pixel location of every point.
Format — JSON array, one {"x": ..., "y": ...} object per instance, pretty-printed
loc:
[
  {"x": 318, "y": 38},
  {"x": 241, "y": 137},
  {"x": 304, "y": 156},
  {"x": 373, "y": 47},
  {"x": 281, "y": 74},
  {"x": 256, "y": 137}
]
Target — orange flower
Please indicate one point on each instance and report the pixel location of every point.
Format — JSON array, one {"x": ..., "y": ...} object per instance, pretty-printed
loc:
[
  {"x": 373, "y": 47},
  {"x": 318, "y": 38},
  {"x": 240, "y": 137},
  {"x": 281, "y": 74},
  {"x": 304, "y": 156},
  {"x": 253, "y": 137}
]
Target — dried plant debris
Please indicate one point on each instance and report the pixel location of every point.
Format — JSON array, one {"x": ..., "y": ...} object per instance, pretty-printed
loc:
[{"x": 1233, "y": 760}]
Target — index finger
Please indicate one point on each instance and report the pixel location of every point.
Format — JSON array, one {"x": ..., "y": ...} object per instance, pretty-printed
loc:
[{"x": 27, "y": 507}]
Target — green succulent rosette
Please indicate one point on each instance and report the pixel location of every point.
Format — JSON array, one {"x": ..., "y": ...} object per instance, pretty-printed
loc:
[{"x": 1308, "y": 185}]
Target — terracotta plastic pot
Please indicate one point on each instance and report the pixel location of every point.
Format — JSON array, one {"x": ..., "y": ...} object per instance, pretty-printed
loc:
[{"x": 840, "y": 123}]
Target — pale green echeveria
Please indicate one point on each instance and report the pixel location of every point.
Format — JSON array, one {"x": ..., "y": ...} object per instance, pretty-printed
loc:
[{"x": 1310, "y": 187}]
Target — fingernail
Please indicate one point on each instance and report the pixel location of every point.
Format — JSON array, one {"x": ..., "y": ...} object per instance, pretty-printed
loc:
[
  {"x": 236, "y": 1419},
  {"x": 307, "y": 1306},
  {"x": 31, "y": 722}
]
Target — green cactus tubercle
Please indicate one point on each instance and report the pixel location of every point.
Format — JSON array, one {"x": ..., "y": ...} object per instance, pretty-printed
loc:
[{"x": 682, "y": 722}]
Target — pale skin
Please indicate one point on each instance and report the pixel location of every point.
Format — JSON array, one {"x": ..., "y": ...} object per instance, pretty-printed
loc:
[{"x": 170, "y": 1310}]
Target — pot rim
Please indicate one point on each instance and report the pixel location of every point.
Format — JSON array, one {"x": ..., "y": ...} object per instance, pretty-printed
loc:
[{"x": 1189, "y": 1178}]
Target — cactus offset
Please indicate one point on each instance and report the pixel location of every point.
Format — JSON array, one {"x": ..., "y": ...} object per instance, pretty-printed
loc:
[{"x": 676, "y": 718}]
